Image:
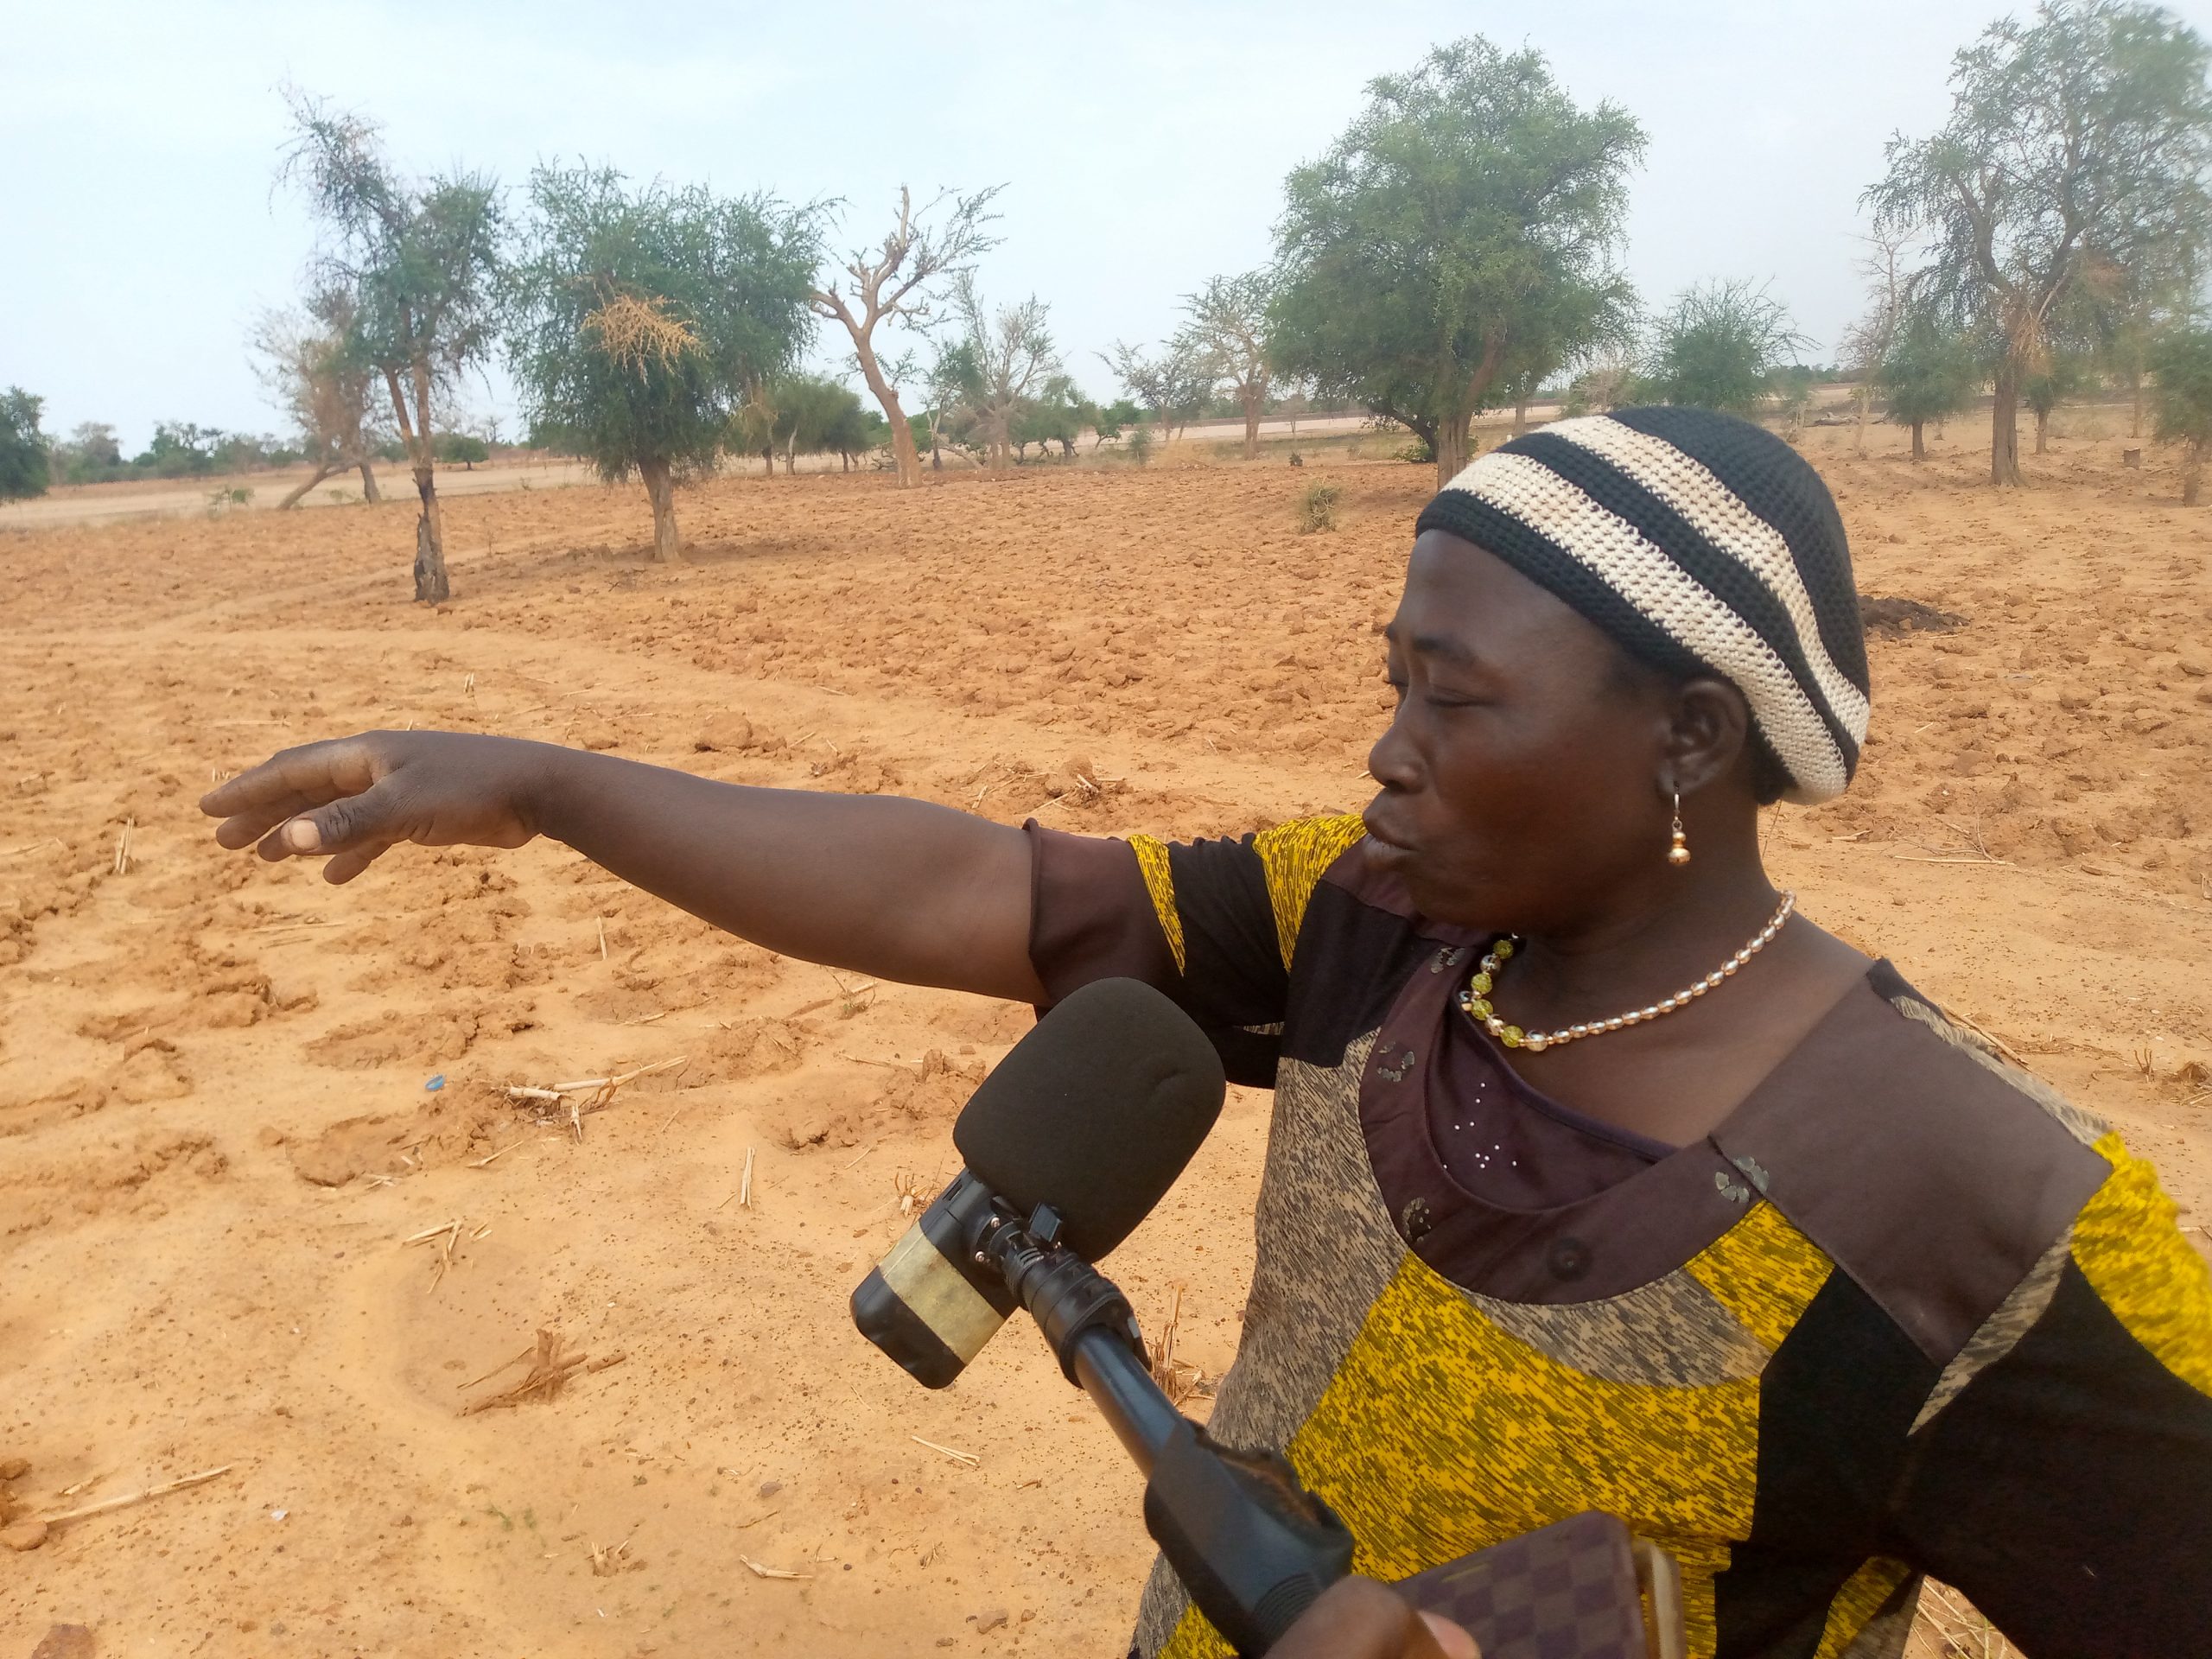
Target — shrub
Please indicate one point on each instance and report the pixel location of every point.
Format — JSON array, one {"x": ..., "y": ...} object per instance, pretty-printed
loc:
[{"x": 1317, "y": 507}]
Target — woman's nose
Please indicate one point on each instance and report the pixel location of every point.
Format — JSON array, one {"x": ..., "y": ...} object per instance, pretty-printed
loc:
[{"x": 1394, "y": 762}]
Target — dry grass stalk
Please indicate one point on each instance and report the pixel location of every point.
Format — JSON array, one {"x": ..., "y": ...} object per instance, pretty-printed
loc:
[
  {"x": 602, "y": 920},
  {"x": 636, "y": 333},
  {"x": 1959, "y": 1631},
  {"x": 605, "y": 1562},
  {"x": 744, "y": 1183},
  {"x": 123, "y": 847},
  {"x": 911, "y": 1191},
  {"x": 1178, "y": 1378},
  {"x": 968, "y": 1459},
  {"x": 759, "y": 1571},
  {"x": 447, "y": 1235},
  {"x": 124, "y": 1501},
  {"x": 549, "y": 1368},
  {"x": 1987, "y": 1036}
]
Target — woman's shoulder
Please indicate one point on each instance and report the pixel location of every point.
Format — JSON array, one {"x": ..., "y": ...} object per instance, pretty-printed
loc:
[{"x": 1928, "y": 1165}]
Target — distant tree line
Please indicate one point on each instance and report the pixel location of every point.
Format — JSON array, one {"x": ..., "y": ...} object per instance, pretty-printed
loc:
[{"x": 1456, "y": 250}]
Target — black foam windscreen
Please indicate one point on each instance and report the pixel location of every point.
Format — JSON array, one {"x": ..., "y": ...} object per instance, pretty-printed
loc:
[{"x": 1096, "y": 1112}]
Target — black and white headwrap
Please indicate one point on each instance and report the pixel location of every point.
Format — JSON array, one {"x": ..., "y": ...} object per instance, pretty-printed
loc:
[{"x": 1699, "y": 542}]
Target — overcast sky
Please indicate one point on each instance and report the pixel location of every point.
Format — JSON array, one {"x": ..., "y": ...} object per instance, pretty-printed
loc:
[{"x": 1143, "y": 148}]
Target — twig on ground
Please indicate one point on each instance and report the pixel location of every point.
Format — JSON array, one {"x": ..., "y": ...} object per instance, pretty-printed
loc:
[
  {"x": 124, "y": 1501},
  {"x": 760, "y": 1572},
  {"x": 549, "y": 1368},
  {"x": 968, "y": 1459},
  {"x": 744, "y": 1183}
]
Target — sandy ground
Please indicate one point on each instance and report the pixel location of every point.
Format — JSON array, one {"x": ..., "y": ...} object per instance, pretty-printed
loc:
[{"x": 215, "y": 1131}]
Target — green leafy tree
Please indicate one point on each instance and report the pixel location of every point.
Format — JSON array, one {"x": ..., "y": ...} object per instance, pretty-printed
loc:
[
  {"x": 640, "y": 317},
  {"x": 2059, "y": 376},
  {"x": 26, "y": 453},
  {"x": 1057, "y": 414},
  {"x": 1465, "y": 225},
  {"x": 90, "y": 455},
  {"x": 1108, "y": 423},
  {"x": 1175, "y": 386},
  {"x": 1228, "y": 327},
  {"x": 1719, "y": 346},
  {"x": 2182, "y": 360},
  {"x": 1930, "y": 373},
  {"x": 419, "y": 259},
  {"x": 2079, "y": 139}
]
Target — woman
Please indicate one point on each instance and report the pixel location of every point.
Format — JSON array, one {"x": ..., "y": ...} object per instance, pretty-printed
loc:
[{"x": 1600, "y": 1177}]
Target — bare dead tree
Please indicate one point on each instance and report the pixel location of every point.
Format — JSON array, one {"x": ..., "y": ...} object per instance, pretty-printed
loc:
[
  {"x": 1013, "y": 353},
  {"x": 308, "y": 363},
  {"x": 889, "y": 281},
  {"x": 1889, "y": 293},
  {"x": 1229, "y": 329}
]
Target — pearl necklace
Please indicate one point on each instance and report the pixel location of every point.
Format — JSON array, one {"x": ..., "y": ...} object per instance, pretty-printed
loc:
[{"x": 1475, "y": 998}]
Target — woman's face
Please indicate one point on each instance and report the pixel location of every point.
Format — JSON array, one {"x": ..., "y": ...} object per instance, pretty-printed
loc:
[{"x": 1521, "y": 774}]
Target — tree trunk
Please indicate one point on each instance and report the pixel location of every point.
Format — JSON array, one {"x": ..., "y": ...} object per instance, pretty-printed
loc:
[
  {"x": 660, "y": 490},
  {"x": 768, "y": 460},
  {"x": 1865, "y": 408},
  {"x": 431, "y": 585},
  {"x": 299, "y": 494},
  {"x": 2043, "y": 429},
  {"x": 2192, "y": 469},
  {"x": 369, "y": 490},
  {"x": 2135, "y": 401},
  {"x": 902, "y": 434},
  {"x": 1447, "y": 440},
  {"x": 1251, "y": 395},
  {"x": 1520, "y": 415},
  {"x": 790, "y": 456},
  {"x": 2005, "y": 426},
  {"x": 1919, "y": 449}
]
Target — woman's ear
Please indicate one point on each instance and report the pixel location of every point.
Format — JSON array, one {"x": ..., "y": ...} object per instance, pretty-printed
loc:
[{"x": 1710, "y": 733}]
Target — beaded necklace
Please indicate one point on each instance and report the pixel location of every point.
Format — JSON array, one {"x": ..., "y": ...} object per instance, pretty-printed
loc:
[{"x": 1475, "y": 998}]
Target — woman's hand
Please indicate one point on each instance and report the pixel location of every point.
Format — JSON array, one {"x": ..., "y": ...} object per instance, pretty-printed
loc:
[
  {"x": 349, "y": 798},
  {"x": 1358, "y": 1619}
]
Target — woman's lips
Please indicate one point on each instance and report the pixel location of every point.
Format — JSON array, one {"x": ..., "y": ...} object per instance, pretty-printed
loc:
[{"x": 1384, "y": 850}]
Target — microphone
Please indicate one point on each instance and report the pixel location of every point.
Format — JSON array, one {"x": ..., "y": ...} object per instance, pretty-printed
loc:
[
  {"x": 1069, "y": 1144},
  {"x": 1094, "y": 1114}
]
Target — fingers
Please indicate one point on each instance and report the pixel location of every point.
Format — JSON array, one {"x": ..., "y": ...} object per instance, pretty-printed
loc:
[
  {"x": 343, "y": 867},
  {"x": 289, "y": 783},
  {"x": 1358, "y": 1619},
  {"x": 364, "y": 824}
]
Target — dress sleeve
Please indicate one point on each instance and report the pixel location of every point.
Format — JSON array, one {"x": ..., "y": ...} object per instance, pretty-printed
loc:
[
  {"x": 1214, "y": 923},
  {"x": 2061, "y": 1474}
]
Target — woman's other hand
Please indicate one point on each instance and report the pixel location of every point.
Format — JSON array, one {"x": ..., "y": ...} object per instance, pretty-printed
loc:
[{"x": 1358, "y": 1619}]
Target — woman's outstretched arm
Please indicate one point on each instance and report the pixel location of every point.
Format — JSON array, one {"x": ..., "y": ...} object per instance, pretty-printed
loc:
[{"x": 898, "y": 888}]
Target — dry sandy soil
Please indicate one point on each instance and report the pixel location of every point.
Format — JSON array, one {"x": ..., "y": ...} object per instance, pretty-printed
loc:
[{"x": 216, "y": 1132}]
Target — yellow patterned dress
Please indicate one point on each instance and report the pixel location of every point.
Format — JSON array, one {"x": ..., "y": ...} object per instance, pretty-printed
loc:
[{"x": 1905, "y": 1312}]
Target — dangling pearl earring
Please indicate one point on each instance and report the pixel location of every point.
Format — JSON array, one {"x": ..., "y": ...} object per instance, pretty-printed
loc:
[{"x": 1678, "y": 854}]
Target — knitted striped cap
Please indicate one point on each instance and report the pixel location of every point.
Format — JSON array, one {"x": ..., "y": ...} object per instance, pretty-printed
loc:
[{"x": 1700, "y": 543}]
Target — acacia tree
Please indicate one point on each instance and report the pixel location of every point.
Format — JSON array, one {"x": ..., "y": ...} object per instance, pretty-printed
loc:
[
  {"x": 26, "y": 454},
  {"x": 1014, "y": 354},
  {"x": 2083, "y": 138},
  {"x": 1173, "y": 385},
  {"x": 419, "y": 260},
  {"x": 641, "y": 318},
  {"x": 1471, "y": 211},
  {"x": 1228, "y": 327},
  {"x": 2182, "y": 362},
  {"x": 889, "y": 281},
  {"x": 1719, "y": 346},
  {"x": 1929, "y": 373},
  {"x": 311, "y": 363}
]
